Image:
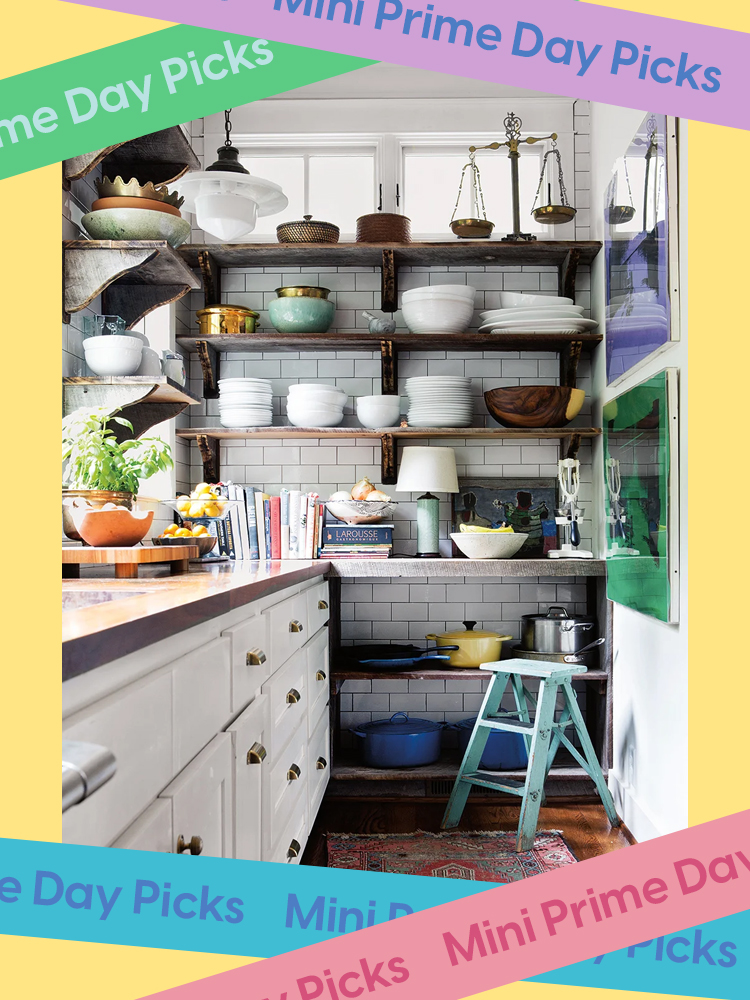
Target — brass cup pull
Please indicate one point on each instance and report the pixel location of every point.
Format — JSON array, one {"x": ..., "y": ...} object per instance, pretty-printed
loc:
[
  {"x": 193, "y": 846},
  {"x": 255, "y": 657},
  {"x": 293, "y": 773},
  {"x": 256, "y": 754},
  {"x": 293, "y": 696},
  {"x": 320, "y": 676},
  {"x": 294, "y": 849},
  {"x": 322, "y": 605},
  {"x": 321, "y": 764},
  {"x": 295, "y": 626}
]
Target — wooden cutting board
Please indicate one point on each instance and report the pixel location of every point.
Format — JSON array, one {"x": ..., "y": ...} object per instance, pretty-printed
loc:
[{"x": 127, "y": 559}]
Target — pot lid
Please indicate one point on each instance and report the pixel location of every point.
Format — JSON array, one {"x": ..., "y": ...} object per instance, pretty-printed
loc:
[
  {"x": 558, "y": 614},
  {"x": 308, "y": 221},
  {"x": 466, "y": 723},
  {"x": 401, "y": 725},
  {"x": 470, "y": 633},
  {"x": 217, "y": 310}
]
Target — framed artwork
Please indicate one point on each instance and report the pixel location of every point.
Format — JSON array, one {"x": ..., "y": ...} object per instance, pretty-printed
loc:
[
  {"x": 640, "y": 248},
  {"x": 641, "y": 471},
  {"x": 528, "y": 505}
]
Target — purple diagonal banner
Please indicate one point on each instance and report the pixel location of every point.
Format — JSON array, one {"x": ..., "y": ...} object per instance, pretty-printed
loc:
[{"x": 559, "y": 46}]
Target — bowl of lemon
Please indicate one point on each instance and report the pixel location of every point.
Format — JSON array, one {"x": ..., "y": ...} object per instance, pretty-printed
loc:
[
  {"x": 204, "y": 503},
  {"x": 193, "y": 534}
]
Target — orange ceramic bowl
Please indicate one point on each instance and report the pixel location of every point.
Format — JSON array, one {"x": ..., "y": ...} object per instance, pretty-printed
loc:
[
  {"x": 105, "y": 528},
  {"x": 126, "y": 202}
]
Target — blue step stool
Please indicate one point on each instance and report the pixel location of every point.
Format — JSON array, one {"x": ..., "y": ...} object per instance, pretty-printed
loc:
[{"x": 543, "y": 737}]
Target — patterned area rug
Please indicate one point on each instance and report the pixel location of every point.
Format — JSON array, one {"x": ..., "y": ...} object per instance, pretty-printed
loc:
[{"x": 478, "y": 856}]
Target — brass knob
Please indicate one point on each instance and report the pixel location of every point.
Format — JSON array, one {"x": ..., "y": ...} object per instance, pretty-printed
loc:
[
  {"x": 293, "y": 773},
  {"x": 320, "y": 676},
  {"x": 256, "y": 754},
  {"x": 294, "y": 849},
  {"x": 295, "y": 626},
  {"x": 293, "y": 696},
  {"x": 322, "y": 605},
  {"x": 321, "y": 764},
  {"x": 255, "y": 657},
  {"x": 194, "y": 846}
]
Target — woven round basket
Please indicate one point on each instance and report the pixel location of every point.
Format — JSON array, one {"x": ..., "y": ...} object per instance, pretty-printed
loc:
[
  {"x": 381, "y": 227},
  {"x": 308, "y": 230}
]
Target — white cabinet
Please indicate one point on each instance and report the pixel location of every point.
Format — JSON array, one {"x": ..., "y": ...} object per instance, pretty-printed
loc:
[
  {"x": 203, "y": 802},
  {"x": 318, "y": 606},
  {"x": 319, "y": 754},
  {"x": 152, "y": 831},
  {"x": 288, "y": 627},
  {"x": 285, "y": 790},
  {"x": 251, "y": 659},
  {"x": 288, "y": 699},
  {"x": 251, "y": 767},
  {"x": 201, "y": 699},
  {"x": 318, "y": 683}
]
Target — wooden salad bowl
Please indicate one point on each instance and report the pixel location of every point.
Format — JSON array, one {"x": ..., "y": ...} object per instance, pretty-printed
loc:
[{"x": 534, "y": 405}]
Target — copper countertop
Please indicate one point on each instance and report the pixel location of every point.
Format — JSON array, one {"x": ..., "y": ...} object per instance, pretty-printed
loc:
[{"x": 163, "y": 605}]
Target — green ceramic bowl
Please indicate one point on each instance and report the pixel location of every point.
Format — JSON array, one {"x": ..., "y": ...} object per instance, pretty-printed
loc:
[
  {"x": 302, "y": 314},
  {"x": 135, "y": 224}
]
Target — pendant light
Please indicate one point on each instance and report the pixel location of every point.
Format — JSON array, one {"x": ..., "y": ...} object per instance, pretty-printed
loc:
[{"x": 226, "y": 199}]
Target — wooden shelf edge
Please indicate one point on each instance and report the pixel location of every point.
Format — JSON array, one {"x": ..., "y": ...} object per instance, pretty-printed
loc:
[
  {"x": 437, "y": 674},
  {"x": 401, "y": 433},
  {"x": 168, "y": 147},
  {"x": 166, "y": 390},
  {"x": 405, "y": 568}
]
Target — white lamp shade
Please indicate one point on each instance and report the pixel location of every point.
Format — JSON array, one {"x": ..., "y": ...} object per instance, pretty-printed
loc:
[
  {"x": 226, "y": 216},
  {"x": 423, "y": 470}
]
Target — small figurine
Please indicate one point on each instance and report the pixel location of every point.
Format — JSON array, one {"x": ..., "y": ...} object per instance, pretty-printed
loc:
[{"x": 380, "y": 327}]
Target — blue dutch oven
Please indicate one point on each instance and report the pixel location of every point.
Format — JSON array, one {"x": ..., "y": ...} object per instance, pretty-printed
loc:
[
  {"x": 400, "y": 741},
  {"x": 502, "y": 752}
]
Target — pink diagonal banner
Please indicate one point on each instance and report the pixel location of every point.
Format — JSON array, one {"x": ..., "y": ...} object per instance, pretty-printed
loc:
[
  {"x": 515, "y": 931},
  {"x": 560, "y": 46}
]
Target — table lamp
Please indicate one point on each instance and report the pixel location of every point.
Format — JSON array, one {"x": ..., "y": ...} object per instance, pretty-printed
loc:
[{"x": 427, "y": 469}]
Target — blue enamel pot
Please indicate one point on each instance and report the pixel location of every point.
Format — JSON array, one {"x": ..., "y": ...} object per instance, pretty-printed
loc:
[
  {"x": 400, "y": 741},
  {"x": 502, "y": 752}
]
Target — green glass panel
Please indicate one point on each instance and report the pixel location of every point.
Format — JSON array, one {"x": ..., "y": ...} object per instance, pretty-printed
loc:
[{"x": 636, "y": 463}]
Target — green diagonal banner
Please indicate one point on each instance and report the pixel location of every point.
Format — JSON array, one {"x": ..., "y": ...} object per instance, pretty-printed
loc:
[{"x": 150, "y": 83}]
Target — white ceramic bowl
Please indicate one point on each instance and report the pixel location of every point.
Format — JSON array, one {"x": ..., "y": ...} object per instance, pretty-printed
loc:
[
  {"x": 118, "y": 355},
  {"x": 378, "y": 411},
  {"x": 438, "y": 317},
  {"x": 329, "y": 398},
  {"x": 313, "y": 416},
  {"x": 488, "y": 544},
  {"x": 510, "y": 300},
  {"x": 426, "y": 291}
]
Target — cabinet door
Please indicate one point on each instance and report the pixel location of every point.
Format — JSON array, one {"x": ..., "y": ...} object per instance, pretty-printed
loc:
[
  {"x": 202, "y": 703},
  {"x": 251, "y": 659},
  {"x": 203, "y": 802},
  {"x": 319, "y": 764},
  {"x": 152, "y": 831},
  {"x": 288, "y": 628},
  {"x": 318, "y": 606},
  {"x": 285, "y": 788},
  {"x": 318, "y": 682},
  {"x": 251, "y": 766},
  {"x": 288, "y": 697}
]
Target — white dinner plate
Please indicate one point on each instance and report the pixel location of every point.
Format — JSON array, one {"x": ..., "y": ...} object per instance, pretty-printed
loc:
[
  {"x": 541, "y": 326},
  {"x": 536, "y": 312}
]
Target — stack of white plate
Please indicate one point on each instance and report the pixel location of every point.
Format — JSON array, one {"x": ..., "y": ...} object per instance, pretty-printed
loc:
[
  {"x": 311, "y": 404},
  {"x": 525, "y": 313},
  {"x": 439, "y": 401},
  {"x": 245, "y": 402}
]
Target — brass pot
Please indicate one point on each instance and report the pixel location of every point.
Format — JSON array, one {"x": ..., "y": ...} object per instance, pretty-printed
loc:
[
  {"x": 303, "y": 291},
  {"x": 97, "y": 499},
  {"x": 227, "y": 321}
]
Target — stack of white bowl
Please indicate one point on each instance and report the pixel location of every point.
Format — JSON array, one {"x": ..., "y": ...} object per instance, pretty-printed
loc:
[
  {"x": 245, "y": 402},
  {"x": 310, "y": 404},
  {"x": 438, "y": 308},
  {"x": 522, "y": 312},
  {"x": 440, "y": 401}
]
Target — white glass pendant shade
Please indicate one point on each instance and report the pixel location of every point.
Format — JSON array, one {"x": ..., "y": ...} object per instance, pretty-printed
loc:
[{"x": 226, "y": 216}]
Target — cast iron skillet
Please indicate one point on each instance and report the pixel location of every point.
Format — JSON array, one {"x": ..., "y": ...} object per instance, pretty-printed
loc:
[{"x": 402, "y": 657}]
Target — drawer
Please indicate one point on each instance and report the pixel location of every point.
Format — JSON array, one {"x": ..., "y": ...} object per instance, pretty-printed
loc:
[
  {"x": 135, "y": 723},
  {"x": 251, "y": 662},
  {"x": 318, "y": 681},
  {"x": 288, "y": 850},
  {"x": 251, "y": 766},
  {"x": 287, "y": 696},
  {"x": 203, "y": 804},
  {"x": 318, "y": 606},
  {"x": 288, "y": 629},
  {"x": 202, "y": 701},
  {"x": 285, "y": 787},
  {"x": 319, "y": 753},
  {"x": 152, "y": 831}
]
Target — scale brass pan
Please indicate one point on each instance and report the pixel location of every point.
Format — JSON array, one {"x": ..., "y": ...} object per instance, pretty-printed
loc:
[
  {"x": 553, "y": 215},
  {"x": 617, "y": 215},
  {"x": 472, "y": 229}
]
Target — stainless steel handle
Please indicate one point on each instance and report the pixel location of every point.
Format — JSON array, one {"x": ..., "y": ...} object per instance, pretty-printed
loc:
[
  {"x": 294, "y": 849},
  {"x": 85, "y": 768},
  {"x": 293, "y": 773},
  {"x": 293, "y": 696},
  {"x": 295, "y": 626},
  {"x": 194, "y": 846},
  {"x": 320, "y": 675},
  {"x": 321, "y": 764},
  {"x": 322, "y": 605},
  {"x": 255, "y": 657},
  {"x": 256, "y": 754}
]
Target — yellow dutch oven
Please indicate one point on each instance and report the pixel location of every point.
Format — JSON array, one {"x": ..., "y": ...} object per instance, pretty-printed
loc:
[{"x": 474, "y": 648}]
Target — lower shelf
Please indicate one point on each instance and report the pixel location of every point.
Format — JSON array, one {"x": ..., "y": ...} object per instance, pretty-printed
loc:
[{"x": 348, "y": 767}]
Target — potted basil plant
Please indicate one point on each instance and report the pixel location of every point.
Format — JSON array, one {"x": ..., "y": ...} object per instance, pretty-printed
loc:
[{"x": 100, "y": 469}]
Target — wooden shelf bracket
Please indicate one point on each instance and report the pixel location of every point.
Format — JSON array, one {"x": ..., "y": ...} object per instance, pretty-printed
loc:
[
  {"x": 388, "y": 368},
  {"x": 568, "y": 269},
  {"x": 131, "y": 401},
  {"x": 210, "y": 367},
  {"x": 389, "y": 297},
  {"x": 570, "y": 356},
  {"x": 211, "y": 275},
  {"x": 210, "y": 455},
  {"x": 388, "y": 460}
]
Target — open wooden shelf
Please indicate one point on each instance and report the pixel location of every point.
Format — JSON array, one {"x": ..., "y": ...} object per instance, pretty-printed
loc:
[
  {"x": 144, "y": 400},
  {"x": 161, "y": 157},
  {"x": 347, "y": 766},
  {"x": 134, "y": 277},
  {"x": 208, "y": 438},
  {"x": 412, "y": 568},
  {"x": 341, "y": 674}
]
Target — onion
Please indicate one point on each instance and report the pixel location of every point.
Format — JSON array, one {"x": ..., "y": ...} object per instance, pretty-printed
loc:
[
  {"x": 378, "y": 495},
  {"x": 361, "y": 490},
  {"x": 341, "y": 495}
]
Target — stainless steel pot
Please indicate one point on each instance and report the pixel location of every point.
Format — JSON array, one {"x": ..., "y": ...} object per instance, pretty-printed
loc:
[{"x": 557, "y": 631}]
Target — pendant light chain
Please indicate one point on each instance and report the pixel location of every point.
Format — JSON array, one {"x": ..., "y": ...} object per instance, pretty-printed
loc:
[{"x": 227, "y": 127}]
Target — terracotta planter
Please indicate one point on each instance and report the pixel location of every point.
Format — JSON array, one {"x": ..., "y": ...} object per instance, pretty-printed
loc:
[
  {"x": 105, "y": 528},
  {"x": 96, "y": 498}
]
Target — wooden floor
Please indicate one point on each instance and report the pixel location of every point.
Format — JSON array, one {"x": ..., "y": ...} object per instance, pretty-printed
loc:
[{"x": 582, "y": 821}]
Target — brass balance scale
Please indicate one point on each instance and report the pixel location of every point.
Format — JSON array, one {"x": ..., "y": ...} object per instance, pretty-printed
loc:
[{"x": 549, "y": 214}]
